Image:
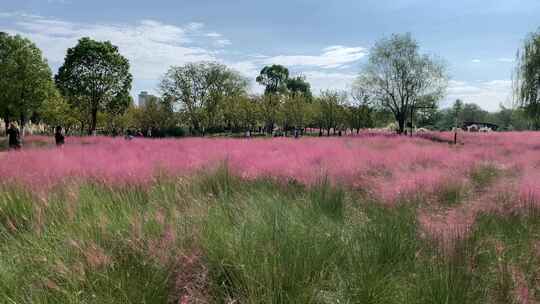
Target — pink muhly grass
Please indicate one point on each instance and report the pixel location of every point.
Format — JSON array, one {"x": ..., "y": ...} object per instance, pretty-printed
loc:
[
  {"x": 529, "y": 191},
  {"x": 388, "y": 166},
  {"x": 521, "y": 289},
  {"x": 446, "y": 229}
]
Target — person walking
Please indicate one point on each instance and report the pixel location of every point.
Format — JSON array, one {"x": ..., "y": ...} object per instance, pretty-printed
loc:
[
  {"x": 59, "y": 136},
  {"x": 14, "y": 137}
]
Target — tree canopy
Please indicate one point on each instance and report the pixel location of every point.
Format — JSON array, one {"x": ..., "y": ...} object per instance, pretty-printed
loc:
[
  {"x": 399, "y": 77},
  {"x": 528, "y": 78},
  {"x": 274, "y": 78},
  {"x": 25, "y": 79},
  {"x": 199, "y": 89},
  {"x": 95, "y": 78}
]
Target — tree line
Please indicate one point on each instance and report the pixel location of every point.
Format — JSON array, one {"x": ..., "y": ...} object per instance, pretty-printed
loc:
[{"x": 397, "y": 86}]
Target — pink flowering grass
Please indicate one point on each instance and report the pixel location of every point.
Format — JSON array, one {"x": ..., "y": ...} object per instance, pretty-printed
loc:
[
  {"x": 389, "y": 167},
  {"x": 408, "y": 220}
]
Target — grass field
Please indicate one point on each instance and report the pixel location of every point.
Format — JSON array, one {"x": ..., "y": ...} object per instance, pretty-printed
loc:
[{"x": 364, "y": 219}]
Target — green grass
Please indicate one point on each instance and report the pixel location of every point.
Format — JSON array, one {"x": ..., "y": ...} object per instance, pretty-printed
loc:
[{"x": 220, "y": 239}]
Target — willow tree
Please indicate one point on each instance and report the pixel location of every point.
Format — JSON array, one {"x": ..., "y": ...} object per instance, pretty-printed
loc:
[
  {"x": 527, "y": 81},
  {"x": 399, "y": 78}
]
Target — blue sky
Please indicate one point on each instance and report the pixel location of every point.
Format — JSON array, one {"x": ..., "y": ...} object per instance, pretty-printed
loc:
[{"x": 327, "y": 41}]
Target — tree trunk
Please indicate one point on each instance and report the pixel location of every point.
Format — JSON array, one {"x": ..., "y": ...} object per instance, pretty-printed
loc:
[
  {"x": 270, "y": 128},
  {"x": 401, "y": 124},
  {"x": 93, "y": 121}
]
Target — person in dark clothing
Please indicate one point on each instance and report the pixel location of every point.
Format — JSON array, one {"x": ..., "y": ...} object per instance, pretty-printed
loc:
[
  {"x": 59, "y": 136},
  {"x": 14, "y": 137},
  {"x": 129, "y": 135}
]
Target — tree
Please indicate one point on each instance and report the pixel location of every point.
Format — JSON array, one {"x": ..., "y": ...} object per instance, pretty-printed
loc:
[
  {"x": 270, "y": 105},
  {"x": 331, "y": 111},
  {"x": 95, "y": 78},
  {"x": 359, "y": 113},
  {"x": 299, "y": 86},
  {"x": 527, "y": 82},
  {"x": 25, "y": 79},
  {"x": 240, "y": 113},
  {"x": 274, "y": 78},
  {"x": 293, "y": 112},
  {"x": 154, "y": 117},
  {"x": 56, "y": 111},
  {"x": 425, "y": 113},
  {"x": 473, "y": 113},
  {"x": 457, "y": 113},
  {"x": 399, "y": 77},
  {"x": 200, "y": 88}
]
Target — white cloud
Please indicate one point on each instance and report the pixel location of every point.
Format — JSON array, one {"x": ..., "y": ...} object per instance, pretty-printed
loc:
[
  {"x": 195, "y": 26},
  {"x": 150, "y": 46},
  {"x": 213, "y": 35},
  {"x": 504, "y": 59},
  {"x": 223, "y": 42},
  {"x": 331, "y": 57},
  {"x": 476, "y": 61},
  {"x": 487, "y": 94},
  {"x": 322, "y": 80}
]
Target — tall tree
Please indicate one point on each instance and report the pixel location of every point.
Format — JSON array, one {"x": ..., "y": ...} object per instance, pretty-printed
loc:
[
  {"x": 399, "y": 77},
  {"x": 360, "y": 112},
  {"x": 527, "y": 82},
  {"x": 457, "y": 113},
  {"x": 299, "y": 86},
  {"x": 25, "y": 79},
  {"x": 331, "y": 110},
  {"x": 95, "y": 77},
  {"x": 294, "y": 114},
  {"x": 274, "y": 78},
  {"x": 200, "y": 88}
]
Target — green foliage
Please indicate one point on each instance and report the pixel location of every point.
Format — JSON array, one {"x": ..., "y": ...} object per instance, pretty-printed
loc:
[
  {"x": 201, "y": 89},
  {"x": 331, "y": 113},
  {"x": 25, "y": 79},
  {"x": 56, "y": 111},
  {"x": 16, "y": 212},
  {"x": 274, "y": 78},
  {"x": 154, "y": 116},
  {"x": 399, "y": 78},
  {"x": 217, "y": 238},
  {"x": 95, "y": 78},
  {"x": 527, "y": 82},
  {"x": 484, "y": 175},
  {"x": 294, "y": 111},
  {"x": 240, "y": 112},
  {"x": 299, "y": 85}
]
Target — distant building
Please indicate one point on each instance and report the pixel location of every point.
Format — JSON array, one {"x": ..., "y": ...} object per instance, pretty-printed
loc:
[{"x": 144, "y": 97}]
